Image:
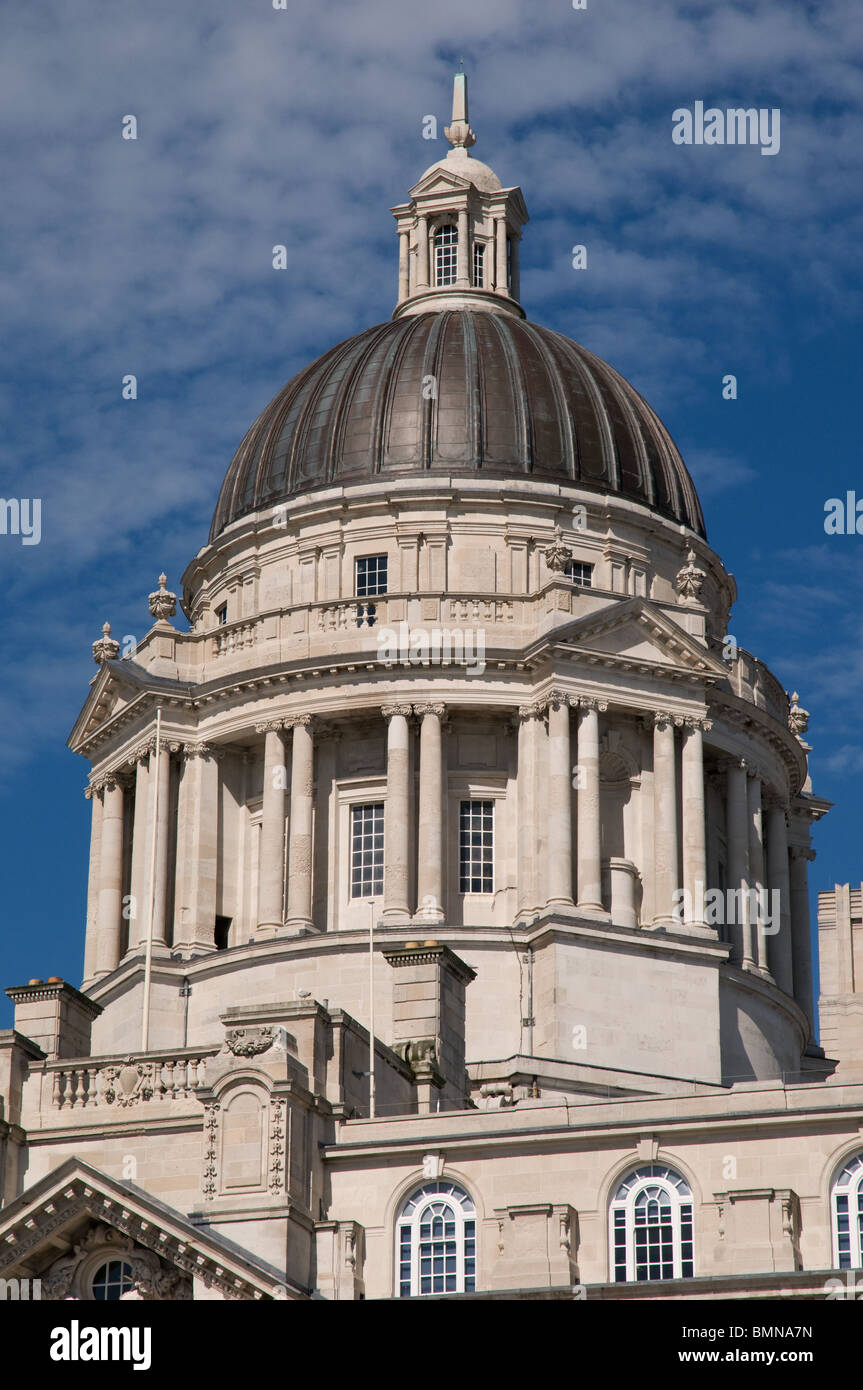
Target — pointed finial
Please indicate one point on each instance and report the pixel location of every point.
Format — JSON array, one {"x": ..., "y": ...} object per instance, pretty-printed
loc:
[
  {"x": 459, "y": 133},
  {"x": 461, "y": 64}
]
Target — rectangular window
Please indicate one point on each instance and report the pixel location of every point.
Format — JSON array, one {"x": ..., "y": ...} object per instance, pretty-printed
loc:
[
  {"x": 222, "y": 615},
  {"x": 478, "y": 265},
  {"x": 370, "y": 575},
  {"x": 367, "y": 850},
  {"x": 446, "y": 255},
  {"x": 580, "y": 573},
  {"x": 476, "y": 847}
]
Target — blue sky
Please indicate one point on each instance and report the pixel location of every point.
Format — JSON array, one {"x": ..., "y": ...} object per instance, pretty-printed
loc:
[{"x": 304, "y": 127}]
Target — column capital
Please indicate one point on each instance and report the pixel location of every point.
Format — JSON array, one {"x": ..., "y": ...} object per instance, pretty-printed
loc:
[
  {"x": 554, "y": 698},
  {"x": 294, "y": 721},
  {"x": 389, "y": 710},
  {"x": 587, "y": 702},
  {"x": 110, "y": 781},
  {"x": 94, "y": 789},
  {"x": 661, "y": 718},
  {"x": 694, "y": 722},
  {"x": 802, "y": 852},
  {"x": 534, "y": 711},
  {"x": 201, "y": 750},
  {"x": 270, "y": 726},
  {"x": 420, "y": 710},
  {"x": 141, "y": 752}
]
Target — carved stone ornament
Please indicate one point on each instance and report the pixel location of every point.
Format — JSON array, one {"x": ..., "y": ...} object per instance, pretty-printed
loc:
[
  {"x": 690, "y": 580},
  {"x": 127, "y": 1084},
  {"x": 248, "y": 1042},
  {"x": 557, "y": 555},
  {"x": 798, "y": 718},
  {"x": 70, "y": 1276},
  {"x": 163, "y": 604},
  {"x": 106, "y": 648}
]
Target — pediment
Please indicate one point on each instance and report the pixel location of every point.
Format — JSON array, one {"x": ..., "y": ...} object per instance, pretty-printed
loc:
[
  {"x": 441, "y": 181},
  {"x": 78, "y": 1214},
  {"x": 636, "y": 635},
  {"x": 117, "y": 686}
]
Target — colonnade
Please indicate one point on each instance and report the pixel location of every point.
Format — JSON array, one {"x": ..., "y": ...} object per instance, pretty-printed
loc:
[
  {"x": 558, "y": 781},
  {"x": 415, "y": 278}
]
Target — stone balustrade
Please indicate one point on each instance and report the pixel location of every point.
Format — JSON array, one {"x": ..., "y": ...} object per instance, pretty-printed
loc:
[{"x": 127, "y": 1081}]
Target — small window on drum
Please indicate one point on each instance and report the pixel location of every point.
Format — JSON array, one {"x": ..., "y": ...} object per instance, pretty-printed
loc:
[
  {"x": 370, "y": 578},
  {"x": 478, "y": 265},
  {"x": 222, "y": 615},
  {"x": 111, "y": 1281},
  {"x": 476, "y": 847},
  {"x": 580, "y": 574}
]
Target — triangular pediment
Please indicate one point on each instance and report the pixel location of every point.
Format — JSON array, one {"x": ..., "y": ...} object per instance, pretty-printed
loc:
[
  {"x": 117, "y": 685},
  {"x": 440, "y": 181},
  {"x": 52, "y": 1224},
  {"x": 634, "y": 635}
]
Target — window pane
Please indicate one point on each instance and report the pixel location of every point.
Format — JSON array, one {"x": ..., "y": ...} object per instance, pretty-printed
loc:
[
  {"x": 476, "y": 847},
  {"x": 367, "y": 850}
]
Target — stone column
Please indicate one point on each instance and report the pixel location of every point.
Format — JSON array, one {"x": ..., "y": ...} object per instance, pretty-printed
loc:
[
  {"x": 463, "y": 267},
  {"x": 665, "y": 819},
  {"x": 271, "y": 869},
  {"x": 500, "y": 255},
  {"x": 430, "y": 849},
  {"x": 397, "y": 815},
  {"x": 559, "y": 809},
  {"x": 515, "y": 288},
  {"x": 422, "y": 253},
  {"x": 404, "y": 264},
  {"x": 301, "y": 826},
  {"x": 780, "y": 949},
  {"x": 197, "y": 851},
  {"x": 589, "y": 823},
  {"x": 694, "y": 840},
  {"x": 94, "y": 796},
  {"x": 529, "y": 895},
  {"x": 757, "y": 883},
  {"x": 739, "y": 927},
  {"x": 110, "y": 922},
  {"x": 162, "y": 771},
  {"x": 142, "y": 830},
  {"x": 801, "y": 943}
]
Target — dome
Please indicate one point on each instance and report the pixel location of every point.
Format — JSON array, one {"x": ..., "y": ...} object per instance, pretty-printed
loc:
[
  {"x": 458, "y": 161},
  {"x": 513, "y": 400}
]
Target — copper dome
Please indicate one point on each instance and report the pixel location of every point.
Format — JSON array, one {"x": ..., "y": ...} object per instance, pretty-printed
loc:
[{"x": 512, "y": 400}]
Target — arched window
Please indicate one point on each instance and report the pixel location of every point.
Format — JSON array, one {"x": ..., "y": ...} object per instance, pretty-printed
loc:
[
  {"x": 446, "y": 255},
  {"x": 111, "y": 1281},
  {"x": 651, "y": 1226},
  {"x": 847, "y": 1203},
  {"x": 436, "y": 1241}
]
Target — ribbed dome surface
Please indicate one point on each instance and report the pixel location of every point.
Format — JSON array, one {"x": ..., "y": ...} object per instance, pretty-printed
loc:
[{"x": 513, "y": 400}]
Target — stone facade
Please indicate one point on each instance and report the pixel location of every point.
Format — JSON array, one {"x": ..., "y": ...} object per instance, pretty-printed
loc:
[{"x": 455, "y": 771}]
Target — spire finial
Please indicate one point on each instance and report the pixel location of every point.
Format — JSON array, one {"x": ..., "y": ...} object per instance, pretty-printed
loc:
[{"x": 459, "y": 133}]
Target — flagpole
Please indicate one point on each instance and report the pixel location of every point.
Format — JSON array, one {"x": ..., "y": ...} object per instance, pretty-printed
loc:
[{"x": 148, "y": 959}]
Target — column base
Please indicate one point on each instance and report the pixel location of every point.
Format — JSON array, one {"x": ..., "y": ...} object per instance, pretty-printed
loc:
[
  {"x": 265, "y": 930},
  {"x": 300, "y": 926},
  {"x": 395, "y": 917},
  {"x": 188, "y": 950},
  {"x": 160, "y": 951},
  {"x": 593, "y": 910},
  {"x": 430, "y": 918}
]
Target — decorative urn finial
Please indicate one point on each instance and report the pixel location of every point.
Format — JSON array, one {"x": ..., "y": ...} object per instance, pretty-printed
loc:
[
  {"x": 798, "y": 718},
  {"x": 163, "y": 604},
  {"x": 106, "y": 648},
  {"x": 459, "y": 133},
  {"x": 557, "y": 555},
  {"x": 690, "y": 580}
]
